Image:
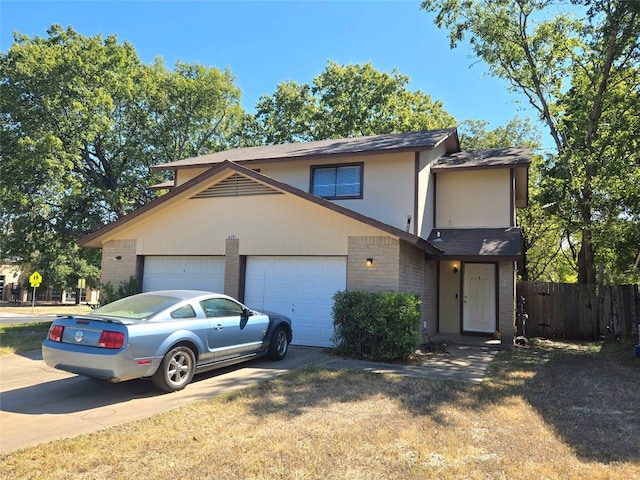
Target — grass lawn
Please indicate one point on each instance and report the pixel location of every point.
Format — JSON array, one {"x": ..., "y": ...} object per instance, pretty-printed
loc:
[
  {"x": 21, "y": 337},
  {"x": 550, "y": 410}
]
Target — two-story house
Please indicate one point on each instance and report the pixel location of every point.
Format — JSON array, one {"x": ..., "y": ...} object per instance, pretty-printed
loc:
[{"x": 284, "y": 227}]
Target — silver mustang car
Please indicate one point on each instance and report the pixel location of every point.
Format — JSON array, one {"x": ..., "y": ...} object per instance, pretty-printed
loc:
[{"x": 165, "y": 335}]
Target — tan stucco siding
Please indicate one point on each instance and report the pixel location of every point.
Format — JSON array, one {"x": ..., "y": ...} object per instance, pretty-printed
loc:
[
  {"x": 266, "y": 224},
  {"x": 467, "y": 199},
  {"x": 449, "y": 297},
  {"x": 388, "y": 184},
  {"x": 186, "y": 174},
  {"x": 426, "y": 191},
  {"x": 507, "y": 303}
]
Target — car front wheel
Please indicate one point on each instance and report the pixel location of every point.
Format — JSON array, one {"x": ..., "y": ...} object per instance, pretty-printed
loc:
[
  {"x": 176, "y": 369},
  {"x": 279, "y": 344}
]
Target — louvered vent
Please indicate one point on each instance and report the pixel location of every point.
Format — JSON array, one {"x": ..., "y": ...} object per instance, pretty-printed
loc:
[{"x": 236, "y": 186}]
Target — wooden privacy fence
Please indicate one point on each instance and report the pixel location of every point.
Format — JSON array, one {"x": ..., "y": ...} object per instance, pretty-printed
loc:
[{"x": 579, "y": 312}]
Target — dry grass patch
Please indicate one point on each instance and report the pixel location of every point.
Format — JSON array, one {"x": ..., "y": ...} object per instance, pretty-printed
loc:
[
  {"x": 529, "y": 420},
  {"x": 21, "y": 337}
]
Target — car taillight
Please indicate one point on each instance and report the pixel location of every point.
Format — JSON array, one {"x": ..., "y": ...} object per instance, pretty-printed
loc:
[
  {"x": 111, "y": 339},
  {"x": 55, "y": 333}
]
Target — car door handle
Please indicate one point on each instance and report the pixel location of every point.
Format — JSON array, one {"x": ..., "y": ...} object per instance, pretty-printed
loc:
[{"x": 218, "y": 327}]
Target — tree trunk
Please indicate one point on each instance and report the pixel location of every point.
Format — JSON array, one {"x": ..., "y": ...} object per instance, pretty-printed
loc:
[{"x": 586, "y": 268}]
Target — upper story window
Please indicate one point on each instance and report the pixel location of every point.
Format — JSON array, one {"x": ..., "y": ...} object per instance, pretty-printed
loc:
[{"x": 337, "y": 181}]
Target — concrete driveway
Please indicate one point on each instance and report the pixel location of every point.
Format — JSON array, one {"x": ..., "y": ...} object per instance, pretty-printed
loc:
[{"x": 39, "y": 404}]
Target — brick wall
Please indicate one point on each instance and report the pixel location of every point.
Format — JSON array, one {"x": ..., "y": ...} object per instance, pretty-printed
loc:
[
  {"x": 232, "y": 268},
  {"x": 118, "y": 262},
  {"x": 414, "y": 278},
  {"x": 383, "y": 275}
]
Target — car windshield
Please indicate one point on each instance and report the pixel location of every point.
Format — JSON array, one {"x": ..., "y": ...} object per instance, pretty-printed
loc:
[{"x": 137, "y": 306}]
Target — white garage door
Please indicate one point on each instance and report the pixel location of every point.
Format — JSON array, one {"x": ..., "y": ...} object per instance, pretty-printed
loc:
[
  {"x": 190, "y": 273},
  {"x": 299, "y": 287}
]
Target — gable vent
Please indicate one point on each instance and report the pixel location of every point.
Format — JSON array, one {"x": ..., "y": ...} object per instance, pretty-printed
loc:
[{"x": 236, "y": 186}]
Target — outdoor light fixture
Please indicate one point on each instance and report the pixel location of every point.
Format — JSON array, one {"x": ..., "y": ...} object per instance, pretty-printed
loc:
[
  {"x": 369, "y": 262},
  {"x": 455, "y": 268}
]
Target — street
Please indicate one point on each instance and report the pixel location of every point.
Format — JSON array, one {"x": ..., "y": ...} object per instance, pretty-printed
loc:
[{"x": 8, "y": 318}]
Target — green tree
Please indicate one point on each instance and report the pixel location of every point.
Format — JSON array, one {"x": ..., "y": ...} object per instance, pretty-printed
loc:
[
  {"x": 474, "y": 135},
  {"x": 83, "y": 122},
  {"x": 347, "y": 101},
  {"x": 579, "y": 71},
  {"x": 192, "y": 110}
]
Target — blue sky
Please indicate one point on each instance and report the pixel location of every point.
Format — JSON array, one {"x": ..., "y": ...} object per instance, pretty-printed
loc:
[{"x": 265, "y": 43}]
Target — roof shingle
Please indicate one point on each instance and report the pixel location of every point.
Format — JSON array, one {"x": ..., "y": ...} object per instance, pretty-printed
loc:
[
  {"x": 495, "y": 157},
  {"x": 377, "y": 143},
  {"x": 477, "y": 243}
]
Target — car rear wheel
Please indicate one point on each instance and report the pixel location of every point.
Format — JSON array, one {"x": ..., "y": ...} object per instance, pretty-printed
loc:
[
  {"x": 176, "y": 369},
  {"x": 279, "y": 344}
]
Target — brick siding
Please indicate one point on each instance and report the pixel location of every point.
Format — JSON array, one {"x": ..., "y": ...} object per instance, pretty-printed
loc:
[
  {"x": 118, "y": 262},
  {"x": 232, "y": 268}
]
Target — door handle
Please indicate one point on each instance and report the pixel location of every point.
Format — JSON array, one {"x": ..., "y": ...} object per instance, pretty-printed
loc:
[{"x": 218, "y": 327}]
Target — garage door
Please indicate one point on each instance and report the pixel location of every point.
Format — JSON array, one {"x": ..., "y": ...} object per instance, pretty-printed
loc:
[
  {"x": 173, "y": 272},
  {"x": 299, "y": 287}
]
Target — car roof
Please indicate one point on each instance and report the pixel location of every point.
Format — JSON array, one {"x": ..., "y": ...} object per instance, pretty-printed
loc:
[{"x": 186, "y": 294}]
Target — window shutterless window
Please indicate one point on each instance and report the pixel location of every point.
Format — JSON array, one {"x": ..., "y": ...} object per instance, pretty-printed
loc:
[{"x": 337, "y": 181}]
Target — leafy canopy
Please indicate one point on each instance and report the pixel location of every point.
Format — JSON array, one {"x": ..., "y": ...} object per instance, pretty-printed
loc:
[
  {"x": 83, "y": 122},
  {"x": 347, "y": 101}
]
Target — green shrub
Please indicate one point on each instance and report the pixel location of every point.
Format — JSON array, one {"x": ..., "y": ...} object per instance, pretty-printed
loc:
[
  {"x": 125, "y": 289},
  {"x": 376, "y": 326}
]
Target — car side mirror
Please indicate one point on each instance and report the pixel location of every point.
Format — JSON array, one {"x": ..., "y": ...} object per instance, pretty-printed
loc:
[{"x": 247, "y": 313}]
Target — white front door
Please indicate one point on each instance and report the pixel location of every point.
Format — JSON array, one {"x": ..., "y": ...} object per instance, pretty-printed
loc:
[
  {"x": 479, "y": 294},
  {"x": 301, "y": 288}
]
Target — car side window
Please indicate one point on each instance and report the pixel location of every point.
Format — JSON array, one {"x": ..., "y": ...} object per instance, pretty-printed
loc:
[
  {"x": 220, "y": 307},
  {"x": 186, "y": 311}
]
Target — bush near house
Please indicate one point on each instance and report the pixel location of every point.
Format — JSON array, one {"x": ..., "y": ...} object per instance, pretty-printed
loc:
[
  {"x": 376, "y": 326},
  {"x": 125, "y": 289}
]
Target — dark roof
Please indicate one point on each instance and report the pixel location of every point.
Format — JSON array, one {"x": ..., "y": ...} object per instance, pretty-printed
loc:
[
  {"x": 345, "y": 146},
  {"x": 187, "y": 186},
  {"x": 477, "y": 243},
  {"x": 496, "y": 157}
]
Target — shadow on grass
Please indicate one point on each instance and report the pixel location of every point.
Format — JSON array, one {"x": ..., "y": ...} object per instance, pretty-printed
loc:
[
  {"x": 587, "y": 394},
  {"x": 592, "y": 399}
]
